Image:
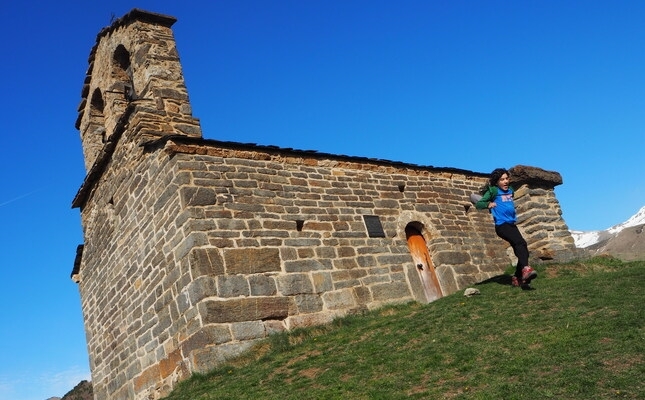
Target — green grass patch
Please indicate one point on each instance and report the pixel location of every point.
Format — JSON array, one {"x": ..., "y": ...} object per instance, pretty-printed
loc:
[{"x": 579, "y": 335}]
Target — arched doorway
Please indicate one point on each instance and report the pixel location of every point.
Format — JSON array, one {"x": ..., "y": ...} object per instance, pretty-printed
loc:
[{"x": 423, "y": 263}]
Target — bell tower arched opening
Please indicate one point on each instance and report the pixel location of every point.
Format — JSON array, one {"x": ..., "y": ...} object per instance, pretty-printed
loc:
[{"x": 94, "y": 134}]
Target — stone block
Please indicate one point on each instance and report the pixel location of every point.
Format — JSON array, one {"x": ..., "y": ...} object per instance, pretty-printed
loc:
[
  {"x": 205, "y": 359},
  {"x": 451, "y": 258},
  {"x": 244, "y": 309},
  {"x": 164, "y": 198},
  {"x": 533, "y": 176},
  {"x": 465, "y": 280},
  {"x": 148, "y": 378},
  {"x": 393, "y": 259},
  {"x": 279, "y": 225},
  {"x": 205, "y": 261},
  {"x": 305, "y": 265},
  {"x": 416, "y": 286},
  {"x": 201, "y": 288},
  {"x": 306, "y": 253},
  {"x": 372, "y": 279},
  {"x": 366, "y": 261},
  {"x": 232, "y": 286},
  {"x": 273, "y": 326},
  {"x": 302, "y": 242},
  {"x": 164, "y": 321},
  {"x": 322, "y": 282},
  {"x": 308, "y": 303},
  {"x": 490, "y": 267},
  {"x": 262, "y": 285},
  {"x": 292, "y": 284},
  {"x": 307, "y": 320},
  {"x": 318, "y": 226},
  {"x": 345, "y": 263},
  {"x": 229, "y": 224},
  {"x": 339, "y": 300},
  {"x": 193, "y": 240},
  {"x": 252, "y": 260},
  {"x": 362, "y": 295},
  {"x": 172, "y": 363},
  {"x": 346, "y": 251},
  {"x": 207, "y": 336},
  {"x": 390, "y": 291},
  {"x": 248, "y": 330},
  {"x": 465, "y": 269},
  {"x": 197, "y": 196}
]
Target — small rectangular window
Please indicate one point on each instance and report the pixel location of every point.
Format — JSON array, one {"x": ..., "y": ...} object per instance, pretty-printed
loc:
[{"x": 373, "y": 225}]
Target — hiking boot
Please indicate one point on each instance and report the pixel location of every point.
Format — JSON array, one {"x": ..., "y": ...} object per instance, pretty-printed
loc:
[
  {"x": 528, "y": 274},
  {"x": 515, "y": 282}
]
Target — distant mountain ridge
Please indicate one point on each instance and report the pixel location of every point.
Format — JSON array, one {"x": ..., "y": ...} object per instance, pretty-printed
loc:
[
  {"x": 625, "y": 240},
  {"x": 82, "y": 391}
]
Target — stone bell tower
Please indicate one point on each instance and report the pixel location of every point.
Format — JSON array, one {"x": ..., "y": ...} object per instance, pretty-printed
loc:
[
  {"x": 134, "y": 86},
  {"x": 133, "y": 93}
]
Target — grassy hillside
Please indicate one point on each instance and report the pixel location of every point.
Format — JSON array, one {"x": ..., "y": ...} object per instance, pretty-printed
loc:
[{"x": 579, "y": 335}]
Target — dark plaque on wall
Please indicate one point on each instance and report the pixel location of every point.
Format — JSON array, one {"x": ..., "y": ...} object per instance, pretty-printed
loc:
[{"x": 373, "y": 225}]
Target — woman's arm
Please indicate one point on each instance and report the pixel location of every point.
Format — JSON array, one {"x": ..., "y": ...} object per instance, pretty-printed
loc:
[{"x": 489, "y": 196}]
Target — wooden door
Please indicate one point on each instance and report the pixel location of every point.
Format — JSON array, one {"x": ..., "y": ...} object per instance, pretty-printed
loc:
[{"x": 423, "y": 263}]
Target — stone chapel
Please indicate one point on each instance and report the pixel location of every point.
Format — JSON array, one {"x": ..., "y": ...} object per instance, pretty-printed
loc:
[{"x": 195, "y": 249}]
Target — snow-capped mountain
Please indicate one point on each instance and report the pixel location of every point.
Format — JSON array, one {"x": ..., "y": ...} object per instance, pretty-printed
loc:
[
  {"x": 584, "y": 239},
  {"x": 600, "y": 240},
  {"x": 635, "y": 220}
]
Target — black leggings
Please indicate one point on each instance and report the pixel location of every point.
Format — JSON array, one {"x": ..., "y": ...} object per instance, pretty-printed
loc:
[{"x": 512, "y": 235}]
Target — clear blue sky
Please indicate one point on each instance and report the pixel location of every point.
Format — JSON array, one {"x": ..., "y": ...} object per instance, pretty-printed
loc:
[{"x": 467, "y": 84}]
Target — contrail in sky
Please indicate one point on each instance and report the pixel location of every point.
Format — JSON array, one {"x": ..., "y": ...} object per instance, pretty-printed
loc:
[{"x": 20, "y": 197}]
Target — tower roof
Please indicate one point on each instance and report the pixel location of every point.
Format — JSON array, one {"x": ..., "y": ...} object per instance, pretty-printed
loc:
[{"x": 137, "y": 14}]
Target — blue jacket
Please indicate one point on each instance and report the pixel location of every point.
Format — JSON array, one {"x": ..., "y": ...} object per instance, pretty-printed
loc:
[{"x": 504, "y": 211}]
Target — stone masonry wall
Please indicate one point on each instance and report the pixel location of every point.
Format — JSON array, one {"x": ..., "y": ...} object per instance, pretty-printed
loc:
[
  {"x": 540, "y": 216},
  {"x": 274, "y": 241},
  {"x": 195, "y": 251}
]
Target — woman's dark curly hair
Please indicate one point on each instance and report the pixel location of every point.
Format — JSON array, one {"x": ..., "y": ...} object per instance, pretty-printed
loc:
[{"x": 496, "y": 175}]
